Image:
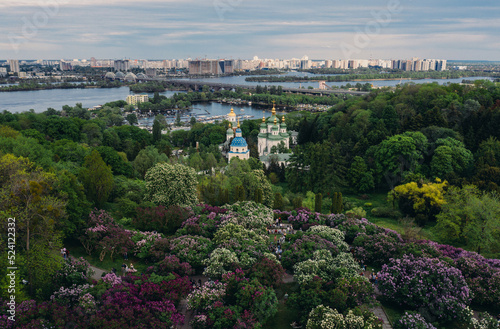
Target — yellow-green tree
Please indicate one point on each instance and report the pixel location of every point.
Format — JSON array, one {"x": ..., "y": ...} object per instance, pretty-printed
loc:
[
  {"x": 421, "y": 200},
  {"x": 27, "y": 194}
]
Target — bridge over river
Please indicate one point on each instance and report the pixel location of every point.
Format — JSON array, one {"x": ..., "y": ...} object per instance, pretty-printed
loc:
[{"x": 197, "y": 85}]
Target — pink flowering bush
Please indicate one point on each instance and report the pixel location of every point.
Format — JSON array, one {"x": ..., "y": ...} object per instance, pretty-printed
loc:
[
  {"x": 148, "y": 301},
  {"x": 144, "y": 241},
  {"x": 112, "y": 279},
  {"x": 70, "y": 295},
  {"x": 202, "y": 298},
  {"x": 428, "y": 284},
  {"x": 105, "y": 235}
]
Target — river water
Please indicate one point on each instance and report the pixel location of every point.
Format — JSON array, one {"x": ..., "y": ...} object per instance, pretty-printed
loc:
[{"x": 40, "y": 100}]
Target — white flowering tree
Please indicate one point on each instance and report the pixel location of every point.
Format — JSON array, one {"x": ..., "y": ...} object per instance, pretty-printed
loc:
[
  {"x": 170, "y": 185},
  {"x": 327, "y": 267},
  {"x": 331, "y": 234},
  {"x": 221, "y": 261},
  {"x": 248, "y": 214},
  {"x": 323, "y": 317}
]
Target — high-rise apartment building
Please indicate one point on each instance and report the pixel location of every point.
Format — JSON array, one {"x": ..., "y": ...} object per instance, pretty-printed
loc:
[
  {"x": 122, "y": 65},
  {"x": 14, "y": 65}
]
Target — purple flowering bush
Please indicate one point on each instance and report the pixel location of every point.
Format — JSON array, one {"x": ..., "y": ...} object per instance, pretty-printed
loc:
[
  {"x": 376, "y": 249},
  {"x": 425, "y": 283},
  {"x": 482, "y": 275},
  {"x": 304, "y": 218},
  {"x": 171, "y": 264},
  {"x": 148, "y": 301},
  {"x": 269, "y": 272},
  {"x": 203, "y": 224},
  {"x": 413, "y": 320}
]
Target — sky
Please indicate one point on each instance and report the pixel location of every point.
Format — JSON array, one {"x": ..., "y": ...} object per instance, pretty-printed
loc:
[{"x": 242, "y": 29}]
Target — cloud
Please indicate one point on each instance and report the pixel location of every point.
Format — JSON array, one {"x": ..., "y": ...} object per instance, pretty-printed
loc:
[{"x": 176, "y": 28}]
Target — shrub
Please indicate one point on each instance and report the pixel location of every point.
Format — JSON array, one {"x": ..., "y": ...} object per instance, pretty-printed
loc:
[
  {"x": 425, "y": 283},
  {"x": 385, "y": 212},
  {"x": 413, "y": 320}
]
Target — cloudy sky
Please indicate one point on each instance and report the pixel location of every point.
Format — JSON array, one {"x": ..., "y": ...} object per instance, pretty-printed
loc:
[{"x": 320, "y": 29}]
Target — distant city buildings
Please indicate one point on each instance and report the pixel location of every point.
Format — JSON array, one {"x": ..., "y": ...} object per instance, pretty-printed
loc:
[
  {"x": 153, "y": 68},
  {"x": 210, "y": 67}
]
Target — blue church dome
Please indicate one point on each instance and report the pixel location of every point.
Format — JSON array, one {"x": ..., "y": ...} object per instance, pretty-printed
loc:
[{"x": 239, "y": 142}]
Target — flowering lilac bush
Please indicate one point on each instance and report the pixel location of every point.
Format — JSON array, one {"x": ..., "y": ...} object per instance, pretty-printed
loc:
[
  {"x": 248, "y": 245},
  {"x": 268, "y": 271},
  {"x": 105, "y": 235},
  {"x": 221, "y": 261},
  {"x": 376, "y": 249},
  {"x": 202, "y": 298},
  {"x": 142, "y": 302},
  {"x": 426, "y": 283},
  {"x": 192, "y": 249},
  {"x": 303, "y": 218},
  {"x": 482, "y": 275},
  {"x": 328, "y": 268},
  {"x": 303, "y": 246},
  {"x": 171, "y": 264},
  {"x": 249, "y": 214},
  {"x": 73, "y": 272},
  {"x": 144, "y": 241},
  {"x": 413, "y": 320},
  {"x": 112, "y": 279},
  {"x": 71, "y": 295},
  {"x": 333, "y": 235},
  {"x": 203, "y": 224},
  {"x": 323, "y": 317}
]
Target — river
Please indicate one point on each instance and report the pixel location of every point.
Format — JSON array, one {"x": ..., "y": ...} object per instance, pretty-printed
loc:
[{"x": 40, "y": 100}]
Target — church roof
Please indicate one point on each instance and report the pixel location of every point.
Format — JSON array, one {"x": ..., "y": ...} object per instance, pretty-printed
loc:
[
  {"x": 231, "y": 114},
  {"x": 239, "y": 142}
]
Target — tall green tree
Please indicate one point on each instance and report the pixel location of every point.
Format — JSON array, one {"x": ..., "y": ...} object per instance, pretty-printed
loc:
[
  {"x": 156, "y": 131},
  {"x": 97, "y": 178},
  {"x": 318, "y": 202},
  {"x": 470, "y": 217}
]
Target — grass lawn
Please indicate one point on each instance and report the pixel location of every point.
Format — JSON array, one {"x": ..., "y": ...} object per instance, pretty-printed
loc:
[
  {"x": 77, "y": 250},
  {"x": 379, "y": 199},
  {"x": 285, "y": 315}
]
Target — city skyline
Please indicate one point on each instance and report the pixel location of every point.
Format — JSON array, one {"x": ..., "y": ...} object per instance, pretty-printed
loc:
[{"x": 59, "y": 29}]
